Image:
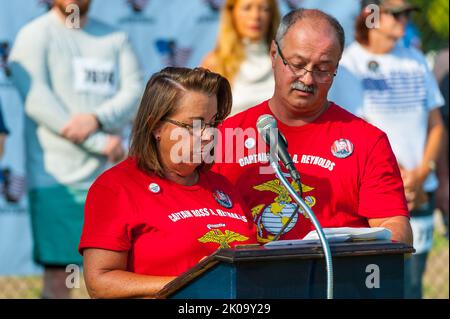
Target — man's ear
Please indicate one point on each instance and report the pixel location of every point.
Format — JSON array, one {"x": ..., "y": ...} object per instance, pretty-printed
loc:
[{"x": 273, "y": 52}]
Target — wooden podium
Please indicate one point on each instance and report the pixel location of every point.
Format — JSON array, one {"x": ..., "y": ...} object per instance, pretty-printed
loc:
[{"x": 365, "y": 270}]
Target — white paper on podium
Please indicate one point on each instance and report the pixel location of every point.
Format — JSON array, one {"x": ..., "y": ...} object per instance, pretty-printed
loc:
[{"x": 339, "y": 234}]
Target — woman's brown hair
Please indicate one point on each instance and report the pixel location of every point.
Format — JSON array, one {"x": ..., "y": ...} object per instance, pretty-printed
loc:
[
  {"x": 160, "y": 100},
  {"x": 361, "y": 29}
]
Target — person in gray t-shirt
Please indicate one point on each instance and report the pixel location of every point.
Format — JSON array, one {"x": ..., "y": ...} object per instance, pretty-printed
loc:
[{"x": 80, "y": 82}]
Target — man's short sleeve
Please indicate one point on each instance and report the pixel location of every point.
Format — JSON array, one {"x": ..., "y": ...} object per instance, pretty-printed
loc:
[
  {"x": 381, "y": 192},
  {"x": 107, "y": 217}
]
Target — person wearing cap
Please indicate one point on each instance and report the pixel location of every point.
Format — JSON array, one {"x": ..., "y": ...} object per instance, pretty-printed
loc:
[
  {"x": 392, "y": 87},
  {"x": 349, "y": 175},
  {"x": 159, "y": 212}
]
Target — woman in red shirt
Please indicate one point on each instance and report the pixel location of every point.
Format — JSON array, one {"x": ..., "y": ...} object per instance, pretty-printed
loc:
[{"x": 159, "y": 212}]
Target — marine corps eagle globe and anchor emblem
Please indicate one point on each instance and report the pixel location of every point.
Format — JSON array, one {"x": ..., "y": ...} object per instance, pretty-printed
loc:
[{"x": 274, "y": 216}]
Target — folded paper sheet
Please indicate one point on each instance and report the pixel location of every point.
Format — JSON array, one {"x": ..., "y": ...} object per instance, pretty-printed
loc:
[{"x": 339, "y": 234}]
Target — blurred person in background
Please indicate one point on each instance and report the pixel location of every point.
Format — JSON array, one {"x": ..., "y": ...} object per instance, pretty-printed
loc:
[
  {"x": 441, "y": 67},
  {"x": 391, "y": 86},
  {"x": 80, "y": 82},
  {"x": 157, "y": 214},
  {"x": 246, "y": 30},
  {"x": 3, "y": 132}
]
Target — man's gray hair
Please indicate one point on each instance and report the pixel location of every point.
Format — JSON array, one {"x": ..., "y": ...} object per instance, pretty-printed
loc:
[{"x": 297, "y": 15}]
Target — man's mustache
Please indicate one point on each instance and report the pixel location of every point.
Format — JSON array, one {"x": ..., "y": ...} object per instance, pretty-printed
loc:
[{"x": 303, "y": 87}]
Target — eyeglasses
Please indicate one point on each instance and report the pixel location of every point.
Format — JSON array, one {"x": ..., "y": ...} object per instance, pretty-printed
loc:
[
  {"x": 198, "y": 124},
  {"x": 300, "y": 71},
  {"x": 399, "y": 14}
]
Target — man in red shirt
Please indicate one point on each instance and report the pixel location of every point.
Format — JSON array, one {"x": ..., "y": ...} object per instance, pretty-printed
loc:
[{"x": 349, "y": 174}]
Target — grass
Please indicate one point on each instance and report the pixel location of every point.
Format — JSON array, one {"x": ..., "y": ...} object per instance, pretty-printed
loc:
[
  {"x": 435, "y": 281},
  {"x": 29, "y": 287}
]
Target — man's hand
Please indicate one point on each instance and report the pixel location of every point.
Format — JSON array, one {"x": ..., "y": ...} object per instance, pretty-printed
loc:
[
  {"x": 114, "y": 150},
  {"x": 79, "y": 127}
]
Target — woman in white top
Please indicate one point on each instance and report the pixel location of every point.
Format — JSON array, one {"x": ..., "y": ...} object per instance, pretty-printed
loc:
[{"x": 247, "y": 28}]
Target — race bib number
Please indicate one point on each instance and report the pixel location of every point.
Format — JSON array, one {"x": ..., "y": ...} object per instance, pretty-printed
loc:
[
  {"x": 94, "y": 76},
  {"x": 422, "y": 228}
]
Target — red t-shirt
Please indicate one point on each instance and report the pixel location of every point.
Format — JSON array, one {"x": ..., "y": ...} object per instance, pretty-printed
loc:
[
  {"x": 349, "y": 173},
  {"x": 166, "y": 227}
]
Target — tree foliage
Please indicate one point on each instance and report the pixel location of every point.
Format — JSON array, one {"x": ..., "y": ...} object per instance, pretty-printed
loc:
[{"x": 433, "y": 23}]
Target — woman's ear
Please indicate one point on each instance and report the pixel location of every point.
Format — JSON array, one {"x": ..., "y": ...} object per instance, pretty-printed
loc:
[{"x": 157, "y": 133}]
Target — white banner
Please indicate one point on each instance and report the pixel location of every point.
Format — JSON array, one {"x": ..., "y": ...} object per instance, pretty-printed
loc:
[
  {"x": 15, "y": 225},
  {"x": 164, "y": 33},
  {"x": 345, "y": 11}
]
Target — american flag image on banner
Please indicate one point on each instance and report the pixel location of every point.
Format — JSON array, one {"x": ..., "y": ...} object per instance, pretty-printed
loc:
[
  {"x": 173, "y": 55},
  {"x": 137, "y": 5},
  {"x": 293, "y": 4},
  {"x": 47, "y": 3},
  {"x": 214, "y": 4},
  {"x": 4, "y": 52},
  {"x": 12, "y": 185}
]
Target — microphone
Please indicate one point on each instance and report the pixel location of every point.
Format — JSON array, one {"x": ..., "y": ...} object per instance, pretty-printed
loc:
[{"x": 267, "y": 126}]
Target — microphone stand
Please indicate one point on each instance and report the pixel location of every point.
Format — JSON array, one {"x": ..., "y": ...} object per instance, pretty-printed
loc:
[{"x": 323, "y": 239}]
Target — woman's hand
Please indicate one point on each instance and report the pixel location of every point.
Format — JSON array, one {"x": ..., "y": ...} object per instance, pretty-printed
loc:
[{"x": 106, "y": 276}]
